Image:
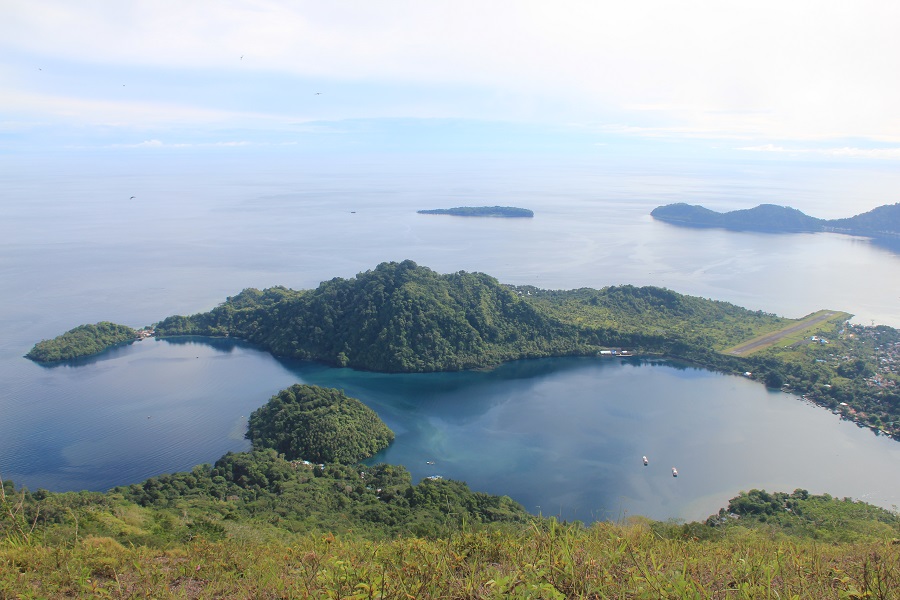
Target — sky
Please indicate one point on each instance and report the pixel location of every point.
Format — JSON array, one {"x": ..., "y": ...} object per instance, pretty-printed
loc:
[{"x": 787, "y": 79}]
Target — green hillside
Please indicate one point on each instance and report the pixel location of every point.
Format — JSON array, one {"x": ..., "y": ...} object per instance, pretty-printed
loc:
[
  {"x": 399, "y": 317},
  {"x": 83, "y": 340},
  {"x": 214, "y": 533}
]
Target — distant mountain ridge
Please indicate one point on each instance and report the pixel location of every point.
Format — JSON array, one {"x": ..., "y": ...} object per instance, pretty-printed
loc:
[{"x": 880, "y": 222}]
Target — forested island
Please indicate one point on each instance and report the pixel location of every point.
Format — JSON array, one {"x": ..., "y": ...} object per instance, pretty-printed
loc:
[
  {"x": 403, "y": 318},
  {"x": 481, "y": 211},
  {"x": 880, "y": 222},
  {"x": 83, "y": 340}
]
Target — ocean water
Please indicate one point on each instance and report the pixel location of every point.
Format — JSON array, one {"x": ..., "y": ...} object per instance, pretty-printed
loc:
[{"x": 75, "y": 248}]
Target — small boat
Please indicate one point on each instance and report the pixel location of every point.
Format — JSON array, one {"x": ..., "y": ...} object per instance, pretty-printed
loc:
[
  {"x": 646, "y": 462},
  {"x": 674, "y": 472},
  {"x": 429, "y": 462}
]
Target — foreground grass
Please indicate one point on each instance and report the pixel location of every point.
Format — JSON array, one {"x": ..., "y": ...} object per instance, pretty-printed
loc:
[{"x": 543, "y": 559}]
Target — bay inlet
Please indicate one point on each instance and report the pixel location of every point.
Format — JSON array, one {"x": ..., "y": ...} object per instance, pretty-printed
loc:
[{"x": 562, "y": 436}]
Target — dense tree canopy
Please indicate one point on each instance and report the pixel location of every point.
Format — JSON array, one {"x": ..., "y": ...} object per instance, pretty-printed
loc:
[
  {"x": 264, "y": 488},
  {"x": 398, "y": 317},
  {"x": 84, "y": 340},
  {"x": 320, "y": 425},
  {"x": 401, "y": 317}
]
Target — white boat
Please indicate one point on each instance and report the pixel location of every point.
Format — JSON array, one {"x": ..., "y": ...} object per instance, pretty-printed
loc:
[
  {"x": 646, "y": 462},
  {"x": 674, "y": 472}
]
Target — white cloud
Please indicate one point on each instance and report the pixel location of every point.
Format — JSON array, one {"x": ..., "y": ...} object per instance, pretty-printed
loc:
[
  {"x": 846, "y": 151},
  {"x": 144, "y": 144},
  {"x": 766, "y": 69},
  {"x": 160, "y": 144},
  {"x": 109, "y": 112}
]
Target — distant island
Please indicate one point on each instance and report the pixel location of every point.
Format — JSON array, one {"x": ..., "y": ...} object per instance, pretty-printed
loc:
[
  {"x": 881, "y": 222},
  {"x": 481, "y": 211}
]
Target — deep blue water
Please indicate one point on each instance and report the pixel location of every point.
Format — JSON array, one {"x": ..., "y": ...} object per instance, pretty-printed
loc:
[{"x": 564, "y": 436}]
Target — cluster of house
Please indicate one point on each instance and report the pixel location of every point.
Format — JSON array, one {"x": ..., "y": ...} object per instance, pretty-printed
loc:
[
  {"x": 866, "y": 343},
  {"x": 615, "y": 352}
]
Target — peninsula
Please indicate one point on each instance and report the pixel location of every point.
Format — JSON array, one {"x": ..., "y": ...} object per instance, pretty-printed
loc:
[
  {"x": 880, "y": 222},
  {"x": 481, "y": 211},
  {"x": 405, "y": 318}
]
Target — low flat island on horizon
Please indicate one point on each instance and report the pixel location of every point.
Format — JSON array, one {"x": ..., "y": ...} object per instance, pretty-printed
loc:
[{"x": 481, "y": 211}]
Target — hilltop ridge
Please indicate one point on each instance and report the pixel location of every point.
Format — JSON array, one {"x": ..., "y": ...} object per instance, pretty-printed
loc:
[{"x": 883, "y": 221}]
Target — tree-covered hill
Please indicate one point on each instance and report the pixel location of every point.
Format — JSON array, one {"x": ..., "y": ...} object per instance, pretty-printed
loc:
[
  {"x": 399, "y": 317},
  {"x": 320, "y": 425},
  {"x": 765, "y": 217},
  {"x": 83, "y": 340},
  {"x": 883, "y": 221},
  {"x": 880, "y": 221}
]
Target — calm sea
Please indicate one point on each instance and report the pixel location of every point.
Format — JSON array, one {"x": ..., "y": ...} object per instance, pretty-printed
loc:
[{"x": 562, "y": 437}]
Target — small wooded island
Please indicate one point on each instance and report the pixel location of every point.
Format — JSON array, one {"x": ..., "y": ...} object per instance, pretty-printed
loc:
[
  {"x": 320, "y": 425},
  {"x": 880, "y": 222},
  {"x": 405, "y": 318},
  {"x": 83, "y": 340},
  {"x": 481, "y": 211}
]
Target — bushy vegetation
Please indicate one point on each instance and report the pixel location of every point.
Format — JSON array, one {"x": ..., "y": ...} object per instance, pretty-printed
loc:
[
  {"x": 820, "y": 517},
  {"x": 407, "y": 318},
  {"x": 105, "y": 545},
  {"x": 316, "y": 424},
  {"x": 83, "y": 340},
  {"x": 651, "y": 320},
  {"x": 398, "y": 317}
]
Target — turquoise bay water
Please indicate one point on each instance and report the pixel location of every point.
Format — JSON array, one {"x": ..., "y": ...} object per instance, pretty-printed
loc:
[{"x": 561, "y": 436}]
